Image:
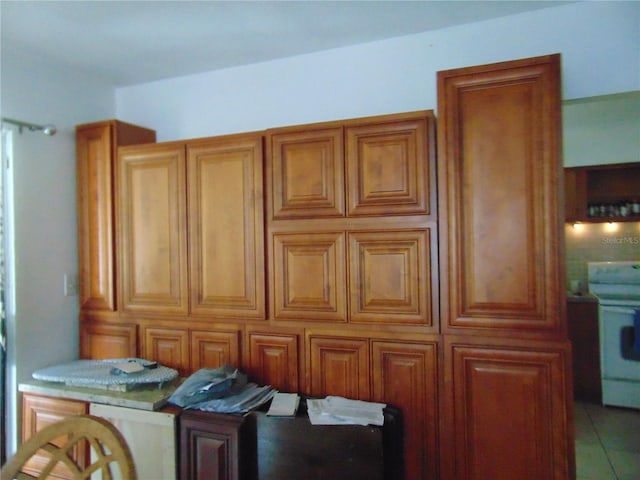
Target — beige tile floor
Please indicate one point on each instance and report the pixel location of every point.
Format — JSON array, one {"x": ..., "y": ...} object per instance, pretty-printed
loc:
[{"x": 607, "y": 443}]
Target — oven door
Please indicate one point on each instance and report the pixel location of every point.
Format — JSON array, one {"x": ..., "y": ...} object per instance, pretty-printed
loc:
[{"x": 615, "y": 322}]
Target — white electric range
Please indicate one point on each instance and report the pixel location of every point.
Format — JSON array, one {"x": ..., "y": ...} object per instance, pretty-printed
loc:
[{"x": 617, "y": 286}]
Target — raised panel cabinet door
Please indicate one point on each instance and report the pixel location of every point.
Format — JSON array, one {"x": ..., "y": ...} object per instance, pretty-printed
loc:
[
  {"x": 167, "y": 346},
  {"x": 226, "y": 241},
  {"x": 310, "y": 276},
  {"x": 94, "y": 154},
  {"x": 153, "y": 234},
  {"x": 274, "y": 360},
  {"x": 508, "y": 411},
  {"x": 39, "y": 412},
  {"x": 390, "y": 278},
  {"x": 96, "y": 145},
  {"x": 306, "y": 170},
  {"x": 217, "y": 447},
  {"x": 213, "y": 349},
  {"x": 389, "y": 166},
  {"x": 339, "y": 366},
  {"x": 405, "y": 375},
  {"x": 101, "y": 341},
  {"x": 500, "y": 177}
]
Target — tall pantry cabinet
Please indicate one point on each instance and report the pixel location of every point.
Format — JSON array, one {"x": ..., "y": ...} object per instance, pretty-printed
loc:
[
  {"x": 96, "y": 152},
  {"x": 507, "y": 380}
]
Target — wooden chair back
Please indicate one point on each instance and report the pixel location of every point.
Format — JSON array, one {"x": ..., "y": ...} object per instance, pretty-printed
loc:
[{"x": 106, "y": 445}]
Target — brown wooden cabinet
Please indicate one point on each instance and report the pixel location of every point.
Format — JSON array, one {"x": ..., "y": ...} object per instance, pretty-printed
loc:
[
  {"x": 388, "y": 167},
  {"x": 214, "y": 349},
  {"x": 153, "y": 229},
  {"x": 389, "y": 277},
  {"x": 217, "y": 447},
  {"x": 96, "y": 148},
  {"x": 447, "y": 305},
  {"x": 507, "y": 408},
  {"x": 226, "y": 232},
  {"x": 339, "y": 366},
  {"x": 310, "y": 276},
  {"x": 274, "y": 359},
  {"x": 307, "y": 173},
  {"x": 37, "y": 413},
  {"x": 101, "y": 340},
  {"x": 387, "y": 159},
  {"x": 499, "y": 173},
  {"x": 603, "y": 193},
  {"x": 582, "y": 321},
  {"x": 373, "y": 263},
  {"x": 222, "y": 181},
  {"x": 168, "y": 346},
  {"x": 405, "y": 375}
]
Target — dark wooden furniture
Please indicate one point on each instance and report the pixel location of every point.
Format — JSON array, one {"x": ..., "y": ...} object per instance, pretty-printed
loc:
[
  {"x": 582, "y": 321},
  {"x": 603, "y": 193},
  {"x": 217, "y": 447}
]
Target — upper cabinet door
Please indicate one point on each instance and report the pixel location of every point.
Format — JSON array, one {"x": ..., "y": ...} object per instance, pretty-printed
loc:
[
  {"x": 388, "y": 167},
  {"x": 94, "y": 151},
  {"x": 390, "y": 277},
  {"x": 96, "y": 145},
  {"x": 226, "y": 242},
  {"x": 306, "y": 170},
  {"x": 499, "y": 180},
  {"x": 153, "y": 234}
]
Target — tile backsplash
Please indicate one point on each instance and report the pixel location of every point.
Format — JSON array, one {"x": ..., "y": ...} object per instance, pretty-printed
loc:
[{"x": 599, "y": 242}]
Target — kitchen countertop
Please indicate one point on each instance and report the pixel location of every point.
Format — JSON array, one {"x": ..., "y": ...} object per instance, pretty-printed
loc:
[{"x": 143, "y": 398}]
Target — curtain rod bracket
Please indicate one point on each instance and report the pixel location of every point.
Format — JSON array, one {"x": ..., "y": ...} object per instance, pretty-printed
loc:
[{"x": 32, "y": 127}]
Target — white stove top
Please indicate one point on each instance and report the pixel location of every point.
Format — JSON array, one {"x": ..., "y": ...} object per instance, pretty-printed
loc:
[{"x": 615, "y": 283}]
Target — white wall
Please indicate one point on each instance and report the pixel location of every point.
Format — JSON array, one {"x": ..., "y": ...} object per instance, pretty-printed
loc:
[
  {"x": 599, "y": 43},
  {"x": 44, "y": 329},
  {"x": 603, "y": 129}
]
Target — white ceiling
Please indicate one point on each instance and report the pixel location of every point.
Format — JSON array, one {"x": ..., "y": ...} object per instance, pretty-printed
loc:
[{"x": 130, "y": 42}]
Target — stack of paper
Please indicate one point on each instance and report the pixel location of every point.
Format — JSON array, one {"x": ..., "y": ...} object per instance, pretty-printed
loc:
[
  {"x": 223, "y": 390},
  {"x": 239, "y": 400},
  {"x": 284, "y": 405},
  {"x": 342, "y": 411}
]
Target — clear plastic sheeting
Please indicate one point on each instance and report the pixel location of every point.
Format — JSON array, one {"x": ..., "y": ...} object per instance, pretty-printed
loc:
[{"x": 221, "y": 390}]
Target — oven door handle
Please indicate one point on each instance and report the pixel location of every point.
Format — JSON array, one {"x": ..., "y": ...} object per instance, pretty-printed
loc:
[{"x": 627, "y": 311}]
